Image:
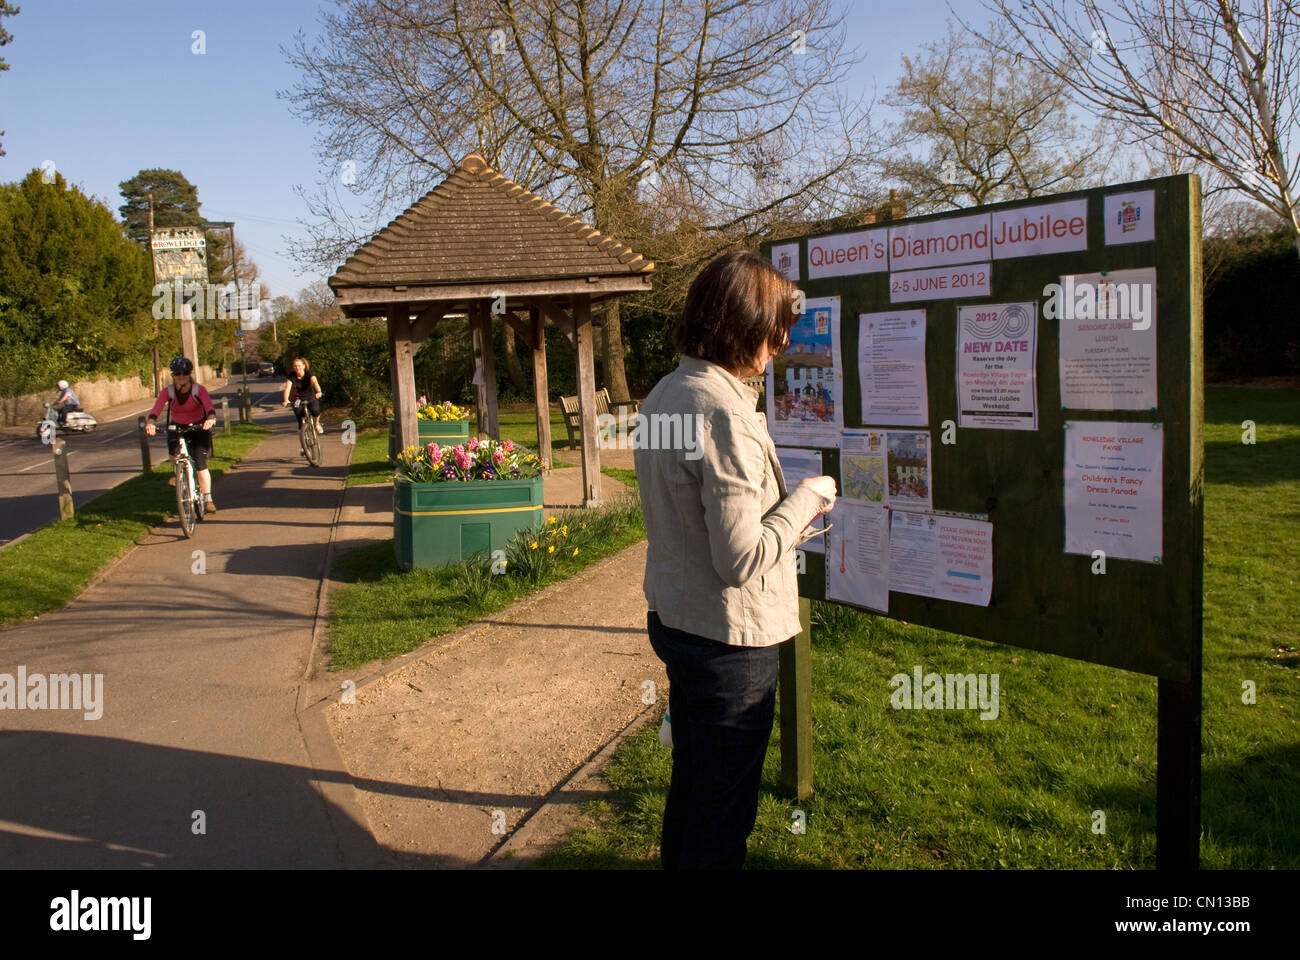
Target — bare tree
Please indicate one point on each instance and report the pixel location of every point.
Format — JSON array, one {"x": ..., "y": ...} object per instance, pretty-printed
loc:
[
  {"x": 1213, "y": 82},
  {"x": 604, "y": 106},
  {"x": 981, "y": 124}
]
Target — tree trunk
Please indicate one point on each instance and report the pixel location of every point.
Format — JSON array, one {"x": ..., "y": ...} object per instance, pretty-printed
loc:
[
  {"x": 615, "y": 375},
  {"x": 512, "y": 361}
]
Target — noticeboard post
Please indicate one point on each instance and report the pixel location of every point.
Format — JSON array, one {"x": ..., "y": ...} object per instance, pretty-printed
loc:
[{"x": 1011, "y": 398}]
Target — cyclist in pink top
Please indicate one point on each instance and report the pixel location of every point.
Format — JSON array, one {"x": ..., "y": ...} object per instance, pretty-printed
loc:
[{"x": 188, "y": 403}]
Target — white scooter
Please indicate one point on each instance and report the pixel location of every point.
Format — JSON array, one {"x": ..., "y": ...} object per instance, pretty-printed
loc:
[{"x": 78, "y": 421}]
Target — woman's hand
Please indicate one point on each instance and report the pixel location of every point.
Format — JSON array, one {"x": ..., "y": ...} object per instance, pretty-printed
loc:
[{"x": 823, "y": 486}]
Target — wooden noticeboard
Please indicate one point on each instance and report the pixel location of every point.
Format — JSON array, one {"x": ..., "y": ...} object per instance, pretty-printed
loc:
[{"x": 1139, "y": 616}]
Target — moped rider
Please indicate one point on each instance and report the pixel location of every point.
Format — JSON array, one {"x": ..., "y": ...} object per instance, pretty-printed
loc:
[{"x": 67, "y": 402}]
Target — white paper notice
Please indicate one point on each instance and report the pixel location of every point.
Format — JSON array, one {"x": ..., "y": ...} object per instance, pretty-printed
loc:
[
  {"x": 950, "y": 558},
  {"x": 799, "y": 465},
  {"x": 997, "y": 386},
  {"x": 909, "y": 470},
  {"x": 940, "y": 283},
  {"x": 846, "y": 254},
  {"x": 1114, "y": 489},
  {"x": 785, "y": 257},
  {"x": 1032, "y": 231},
  {"x": 891, "y": 368},
  {"x": 857, "y": 562},
  {"x": 805, "y": 383},
  {"x": 1130, "y": 217},
  {"x": 862, "y": 466},
  {"x": 1108, "y": 339},
  {"x": 934, "y": 243}
]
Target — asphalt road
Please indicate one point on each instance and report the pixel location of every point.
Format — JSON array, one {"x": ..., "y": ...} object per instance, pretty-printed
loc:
[{"x": 99, "y": 461}]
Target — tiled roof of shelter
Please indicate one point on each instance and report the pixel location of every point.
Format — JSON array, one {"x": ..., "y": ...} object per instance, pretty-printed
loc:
[{"x": 478, "y": 226}]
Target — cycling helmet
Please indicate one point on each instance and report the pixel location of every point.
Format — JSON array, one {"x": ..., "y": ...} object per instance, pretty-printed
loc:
[
  {"x": 182, "y": 365},
  {"x": 63, "y": 384}
]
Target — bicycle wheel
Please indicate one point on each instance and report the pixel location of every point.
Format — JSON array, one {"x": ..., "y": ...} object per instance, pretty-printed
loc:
[
  {"x": 184, "y": 499},
  {"x": 311, "y": 446}
]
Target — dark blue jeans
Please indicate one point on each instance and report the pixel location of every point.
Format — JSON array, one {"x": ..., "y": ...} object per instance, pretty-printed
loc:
[{"x": 721, "y": 700}]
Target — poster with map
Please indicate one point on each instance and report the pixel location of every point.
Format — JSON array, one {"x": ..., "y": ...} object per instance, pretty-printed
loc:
[{"x": 862, "y": 466}]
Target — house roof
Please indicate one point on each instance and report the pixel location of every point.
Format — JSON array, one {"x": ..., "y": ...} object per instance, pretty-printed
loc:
[{"x": 478, "y": 226}]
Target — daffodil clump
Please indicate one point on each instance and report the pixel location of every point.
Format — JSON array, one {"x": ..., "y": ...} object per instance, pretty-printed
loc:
[
  {"x": 440, "y": 411},
  {"x": 551, "y": 535},
  {"x": 475, "y": 460}
]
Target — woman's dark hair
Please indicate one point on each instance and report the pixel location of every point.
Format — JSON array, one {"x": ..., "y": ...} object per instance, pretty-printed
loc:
[{"x": 736, "y": 304}]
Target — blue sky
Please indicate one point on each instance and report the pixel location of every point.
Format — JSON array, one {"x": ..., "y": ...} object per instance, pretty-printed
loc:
[{"x": 105, "y": 88}]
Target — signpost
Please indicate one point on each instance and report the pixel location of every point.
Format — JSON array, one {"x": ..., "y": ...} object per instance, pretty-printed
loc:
[{"x": 1088, "y": 516}]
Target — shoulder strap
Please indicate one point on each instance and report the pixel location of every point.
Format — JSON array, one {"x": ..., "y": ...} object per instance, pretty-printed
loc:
[{"x": 171, "y": 392}]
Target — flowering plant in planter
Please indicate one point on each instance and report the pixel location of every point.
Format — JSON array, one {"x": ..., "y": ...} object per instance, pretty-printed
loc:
[
  {"x": 475, "y": 460},
  {"x": 439, "y": 411}
]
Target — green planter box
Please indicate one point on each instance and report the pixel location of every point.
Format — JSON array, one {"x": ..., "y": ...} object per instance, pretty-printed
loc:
[
  {"x": 436, "y": 524},
  {"x": 444, "y": 432}
]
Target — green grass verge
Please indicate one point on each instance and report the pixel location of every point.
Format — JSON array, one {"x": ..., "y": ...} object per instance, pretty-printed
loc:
[
  {"x": 926, "y": 789},
  {"x": 625, "y": 477},
  {"x": 49, "y": 568},
  {"x": 370, "y": 458},
  {"x": 385, "y": 612}
]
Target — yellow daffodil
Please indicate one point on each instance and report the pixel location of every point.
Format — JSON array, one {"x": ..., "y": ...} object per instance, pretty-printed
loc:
[
  {"x": 552, "y": 520},
  {"x": 564, "y": 530},
  {"x": 551, "y": 548},
  {"x": 533, "y": 545},
  {"x": 575, "y": 551}
]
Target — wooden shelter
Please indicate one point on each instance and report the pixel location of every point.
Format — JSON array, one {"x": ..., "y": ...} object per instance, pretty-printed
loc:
[{"x": 480, "y": 245}]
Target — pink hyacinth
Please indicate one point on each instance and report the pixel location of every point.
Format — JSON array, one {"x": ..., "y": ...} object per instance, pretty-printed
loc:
[
  {"x": 498, "y": 457},
  {"x": 435, "y": 452},
  {"x": 463, "y": 459},
  {"x": 473, "y": 443},
  {"x": 422, "y": 401},
  {"x": 508, "y": 446}
]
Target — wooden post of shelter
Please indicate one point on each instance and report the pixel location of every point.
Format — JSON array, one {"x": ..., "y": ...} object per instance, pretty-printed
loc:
[
  {"x": 402, "y": 370},
  {"x": 541, "y": 389},
  {"x": 480, "y": 320},
  {"x": 587, "y": 401}
]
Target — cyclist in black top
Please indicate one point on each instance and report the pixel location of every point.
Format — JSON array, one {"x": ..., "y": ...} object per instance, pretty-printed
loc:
[{"x": 303, "y": 385}]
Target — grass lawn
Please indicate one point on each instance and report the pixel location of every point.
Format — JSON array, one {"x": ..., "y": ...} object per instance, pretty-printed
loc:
[
  {"x": 934, "y": 789},
  {"x": 370, "y": 458},
  {"x": 54, "y": 564},
  {"x": 385, "y": 612}
]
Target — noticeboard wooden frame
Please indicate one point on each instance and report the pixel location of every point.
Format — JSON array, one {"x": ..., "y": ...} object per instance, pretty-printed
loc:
[{"x": 1143, "y": 617}]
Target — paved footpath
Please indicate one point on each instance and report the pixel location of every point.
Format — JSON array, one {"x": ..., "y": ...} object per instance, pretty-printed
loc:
[{"x": 202, "y": 675}]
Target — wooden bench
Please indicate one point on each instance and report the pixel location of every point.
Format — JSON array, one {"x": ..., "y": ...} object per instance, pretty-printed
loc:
[{"x": 573, "y": 416}]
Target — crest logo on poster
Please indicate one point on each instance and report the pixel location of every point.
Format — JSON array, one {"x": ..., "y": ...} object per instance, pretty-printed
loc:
[
  {"x": 1129, "y": 216},
  {"x": 822, "y": 319}
]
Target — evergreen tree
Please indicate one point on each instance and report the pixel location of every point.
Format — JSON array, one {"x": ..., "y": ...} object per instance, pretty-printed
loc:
[
  {"x": 175, "y": 202},
  {"x": 74, "y": 292}
]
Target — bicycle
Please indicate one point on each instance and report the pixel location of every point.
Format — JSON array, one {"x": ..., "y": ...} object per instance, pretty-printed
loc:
[
  {"x": 307, "y": 436},
  {"x": 189, "y": 499}
]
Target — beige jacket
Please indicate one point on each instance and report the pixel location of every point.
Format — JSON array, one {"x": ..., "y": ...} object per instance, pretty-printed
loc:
[{"x": 721, "y": 527}]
